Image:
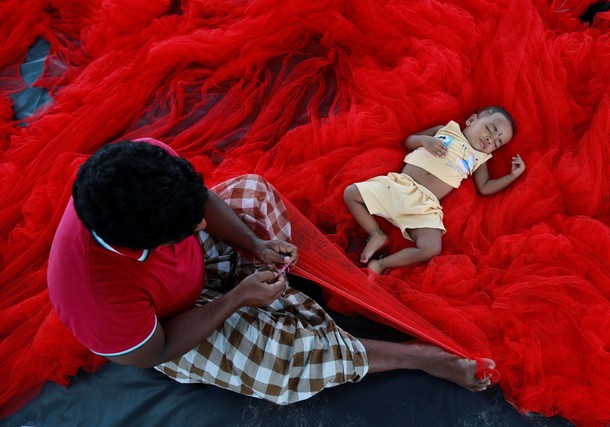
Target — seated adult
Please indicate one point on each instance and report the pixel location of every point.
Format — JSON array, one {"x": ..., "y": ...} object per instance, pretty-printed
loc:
[{"x": 142, "y": 271}]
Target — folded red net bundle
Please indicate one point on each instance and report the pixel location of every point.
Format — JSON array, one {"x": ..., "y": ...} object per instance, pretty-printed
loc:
[{"x": 315, "y": 96}]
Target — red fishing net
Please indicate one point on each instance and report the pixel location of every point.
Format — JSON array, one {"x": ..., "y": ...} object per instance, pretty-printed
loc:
[{"x": 315, "y": 96}]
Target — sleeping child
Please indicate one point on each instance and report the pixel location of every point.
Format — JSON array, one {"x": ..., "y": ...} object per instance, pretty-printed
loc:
[{"x": 439, "y": 159}]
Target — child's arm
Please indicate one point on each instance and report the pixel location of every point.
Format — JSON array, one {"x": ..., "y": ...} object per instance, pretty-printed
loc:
[
  {"x": 487, "y": 186},
  {"x": 426, "y": 139}
]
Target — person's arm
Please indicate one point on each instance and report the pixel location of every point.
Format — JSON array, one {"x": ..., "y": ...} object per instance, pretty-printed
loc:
[
  {"x": 185, "y": 331},
  {"x": 224, "y": 224},
  {"x": 427, "y": 140},
  {"x": 487, "y": 186}
]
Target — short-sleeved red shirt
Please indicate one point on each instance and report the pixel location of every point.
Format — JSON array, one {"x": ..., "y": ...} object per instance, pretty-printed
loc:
[{"x": 113, "y": 301}]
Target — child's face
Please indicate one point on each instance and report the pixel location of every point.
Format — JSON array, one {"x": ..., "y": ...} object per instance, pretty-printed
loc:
[{"x": 488, "y": 132}]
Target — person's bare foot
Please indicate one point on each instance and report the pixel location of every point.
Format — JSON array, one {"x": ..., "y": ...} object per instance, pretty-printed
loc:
[
  {"x": 376, "y": 266},
  {"x": 375, "y": 241},
  {"x": 439, "y": 363}
]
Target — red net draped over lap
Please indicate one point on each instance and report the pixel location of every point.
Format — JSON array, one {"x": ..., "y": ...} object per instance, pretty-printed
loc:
[{"x": 315, "y": 96}]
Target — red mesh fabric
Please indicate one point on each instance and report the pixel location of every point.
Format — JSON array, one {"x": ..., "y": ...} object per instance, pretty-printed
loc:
[
  {"x": 315, "y": 96},
  {"x": 353, "y": 290}
]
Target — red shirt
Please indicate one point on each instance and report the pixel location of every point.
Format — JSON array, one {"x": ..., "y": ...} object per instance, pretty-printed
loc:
[{"x": 110, "y": 301}]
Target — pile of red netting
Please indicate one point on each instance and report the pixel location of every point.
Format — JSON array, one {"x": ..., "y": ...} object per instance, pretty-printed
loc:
[{"x": 314, "y": 96}]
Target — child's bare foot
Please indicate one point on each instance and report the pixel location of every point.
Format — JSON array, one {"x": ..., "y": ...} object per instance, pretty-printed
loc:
[
  {"x": 376, "y": 265},
  {"x": 376, "y": 240},
  {"x": 439, "y": 363}
]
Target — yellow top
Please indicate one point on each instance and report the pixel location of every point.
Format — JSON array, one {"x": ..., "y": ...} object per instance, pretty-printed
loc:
[{"x": 461, "y": 159}]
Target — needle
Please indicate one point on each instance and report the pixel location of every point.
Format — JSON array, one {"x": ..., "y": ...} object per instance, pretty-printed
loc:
[{"x": 284, "y": 268}]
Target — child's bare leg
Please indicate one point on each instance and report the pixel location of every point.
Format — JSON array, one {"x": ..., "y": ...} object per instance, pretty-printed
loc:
[
  {"x": 428, "y": 244},
  {"x": 387, "y": 356},
  {"x": 355, "y": 204}
]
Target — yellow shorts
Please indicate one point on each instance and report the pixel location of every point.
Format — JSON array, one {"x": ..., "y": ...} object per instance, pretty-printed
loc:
[{"x": 402, "y": 201}]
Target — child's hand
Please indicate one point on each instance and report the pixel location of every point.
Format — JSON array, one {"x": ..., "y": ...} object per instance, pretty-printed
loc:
[
  {"x": 518, "y": 166},
  {"x": 434, "y": 146}
]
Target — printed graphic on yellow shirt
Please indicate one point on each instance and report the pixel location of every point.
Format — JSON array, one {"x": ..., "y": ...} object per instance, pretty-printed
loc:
[{"x": 465, "y": 165}]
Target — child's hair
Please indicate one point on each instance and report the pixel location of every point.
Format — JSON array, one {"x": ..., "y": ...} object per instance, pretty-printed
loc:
[
  {"x": 498, "y": 109},
  {"x": 137, "y": 195}
]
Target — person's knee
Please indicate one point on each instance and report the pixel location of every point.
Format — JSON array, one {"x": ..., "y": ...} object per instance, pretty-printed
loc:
[
  {"x": 351, "y": 193},
  {"x": 251, "y": 177},
  {"x": 430, "y": 249},
  {"x": 254, "y": 182}
]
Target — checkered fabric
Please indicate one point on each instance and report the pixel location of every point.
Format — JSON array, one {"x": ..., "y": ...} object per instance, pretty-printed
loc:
[
  {"x": 258, "y": 205},
  {"x": 285, "y": 352}
]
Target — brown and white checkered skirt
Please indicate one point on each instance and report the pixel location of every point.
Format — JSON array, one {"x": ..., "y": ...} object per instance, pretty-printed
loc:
[{"x": 285, "y": 352}]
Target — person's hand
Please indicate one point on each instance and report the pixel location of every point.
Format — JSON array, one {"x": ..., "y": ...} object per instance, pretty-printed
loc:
[
  {"x": 518, "y": 166},
  {"x": 434, "y": 146},
  {"x": 260, "y": 288},
  {"x": 277, "y": 252}
]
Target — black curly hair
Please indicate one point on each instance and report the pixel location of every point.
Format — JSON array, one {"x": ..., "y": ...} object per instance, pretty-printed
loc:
[
  {"x": 137, "y": 195},
  {"x": 498, "y": 109}
]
